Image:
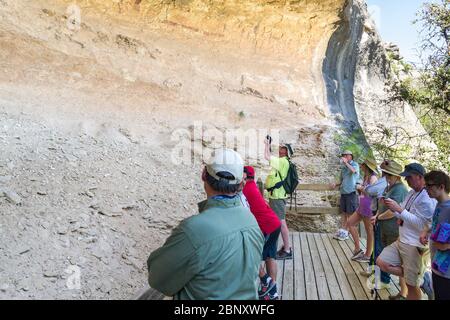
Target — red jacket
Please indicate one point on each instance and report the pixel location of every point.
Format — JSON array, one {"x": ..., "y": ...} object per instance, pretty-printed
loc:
[{"x": 267, "y": 219}]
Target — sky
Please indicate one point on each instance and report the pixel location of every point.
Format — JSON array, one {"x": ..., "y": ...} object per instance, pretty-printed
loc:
[{"x": 394, "y": 22}]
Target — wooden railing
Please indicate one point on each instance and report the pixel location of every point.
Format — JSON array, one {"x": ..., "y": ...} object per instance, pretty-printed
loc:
[{"x": 294, "y": 208}]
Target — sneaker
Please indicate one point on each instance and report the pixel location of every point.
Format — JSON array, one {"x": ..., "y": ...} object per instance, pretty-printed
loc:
[
  {"x": 338, "y": 234},
  {"x": 266, "y": 287},
  {"x": 282, "y": 255},
  {"x": 362, "y": 259},
  {"x": 357, "y": 254},
  {"x": 427, "y": 286},
  {"x": 398, "y": 296},
  {"x": 343, "y": 236},
  {"x": 271, "y": 297}
]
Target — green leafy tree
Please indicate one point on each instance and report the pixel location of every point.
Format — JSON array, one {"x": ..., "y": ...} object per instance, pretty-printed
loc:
[{"x": 427, "y": 89}]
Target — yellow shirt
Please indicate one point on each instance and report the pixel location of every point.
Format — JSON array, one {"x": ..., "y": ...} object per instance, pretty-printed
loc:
[{"x": 279, "y": 166}]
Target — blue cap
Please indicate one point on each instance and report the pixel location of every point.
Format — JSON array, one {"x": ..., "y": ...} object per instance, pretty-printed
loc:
[{"x": 413, "y": 168}]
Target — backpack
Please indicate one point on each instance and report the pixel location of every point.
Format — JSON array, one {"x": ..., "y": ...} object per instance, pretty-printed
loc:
[{"x": 290, "y": 182}]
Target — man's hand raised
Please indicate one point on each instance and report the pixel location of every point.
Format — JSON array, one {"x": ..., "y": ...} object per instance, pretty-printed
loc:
[{"x": 393, "y": 205}]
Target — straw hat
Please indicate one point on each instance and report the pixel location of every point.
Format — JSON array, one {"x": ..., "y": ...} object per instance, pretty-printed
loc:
[
  {"x": 372, "y": 164},
  {"x": 391, "y": 167}
]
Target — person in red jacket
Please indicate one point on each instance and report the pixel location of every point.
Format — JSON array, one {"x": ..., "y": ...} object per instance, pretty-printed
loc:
[{"x": 270, "y": 226}]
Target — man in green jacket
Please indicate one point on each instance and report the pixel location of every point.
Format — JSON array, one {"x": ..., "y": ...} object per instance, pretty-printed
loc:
[
  {"x": 215, "y": 254},
  {"x": 278, "y": 196}
]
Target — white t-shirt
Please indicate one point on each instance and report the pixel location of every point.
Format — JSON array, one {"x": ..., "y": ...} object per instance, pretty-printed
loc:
[{"x": 418, "y": 209}]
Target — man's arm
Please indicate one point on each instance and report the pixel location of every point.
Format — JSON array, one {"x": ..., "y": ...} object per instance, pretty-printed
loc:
[
  {"x": 336, "y": 185},
  {"x": 426, "y": 229},
  {"x": 351, "y": 168},
  {"x": 424, "y": 235},
  {"x": 419, "y": 221},
  {"x": 173, "y": 265},
  {"x": 376, "y": 189}
]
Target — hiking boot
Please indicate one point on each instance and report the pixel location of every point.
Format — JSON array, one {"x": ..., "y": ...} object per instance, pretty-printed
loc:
[
  {"x": 427, "y": 286},
  {"x": 266, "y": 286},
  {"x": 398, "y": 296},
  {"x": 282, "y": 255}
]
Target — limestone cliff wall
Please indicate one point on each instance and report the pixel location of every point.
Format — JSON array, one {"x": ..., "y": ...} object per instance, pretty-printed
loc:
[
  {"x": 308, "y": 68},
  {"x": 358, "y": 80},
  {"x": 92, "y": 92}
]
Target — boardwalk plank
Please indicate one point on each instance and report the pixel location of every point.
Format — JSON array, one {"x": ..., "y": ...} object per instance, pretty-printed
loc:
[
  {"x": 347, "y": 247},
  {"x": 280, "y": 273},
  {"x": 288, "y": 276},
  {"x": 333, "y": 286},
  {"x": 310, "y": 279},
  {"x": 358, "y": 289},
  {"x": 395, "y": 286},
  {"x": 339, "y": 271},
  {"x": 321, "y": 280},
  {"x": 299, "y": 274}
]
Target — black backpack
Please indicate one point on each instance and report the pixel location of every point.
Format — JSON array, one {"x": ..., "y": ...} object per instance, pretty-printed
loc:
[{"x": 290, "y": 182}]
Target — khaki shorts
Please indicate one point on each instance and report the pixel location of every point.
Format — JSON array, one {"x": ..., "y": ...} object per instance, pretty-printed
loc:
[
  {"x": 411, "y": 259},
  {"x": 279, "y": 206}
]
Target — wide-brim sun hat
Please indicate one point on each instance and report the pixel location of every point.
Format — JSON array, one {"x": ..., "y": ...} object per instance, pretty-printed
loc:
[
  {"x": 371, "y": 164},
  {"x": 391, "y": 167}
]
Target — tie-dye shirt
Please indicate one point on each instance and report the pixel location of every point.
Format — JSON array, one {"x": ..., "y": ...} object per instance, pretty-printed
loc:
[{"x": 441, "y": 216}]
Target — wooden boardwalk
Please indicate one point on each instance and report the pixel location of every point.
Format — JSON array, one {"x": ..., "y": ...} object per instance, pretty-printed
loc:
[{"x": 322, "y": 269}]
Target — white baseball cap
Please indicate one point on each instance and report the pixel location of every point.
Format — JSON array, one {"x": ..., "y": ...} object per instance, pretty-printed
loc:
[{"x": 226, "y": 160}]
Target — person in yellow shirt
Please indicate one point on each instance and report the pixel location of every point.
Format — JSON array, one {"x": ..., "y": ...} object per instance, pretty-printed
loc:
[{"x": 278, "y": 196}]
